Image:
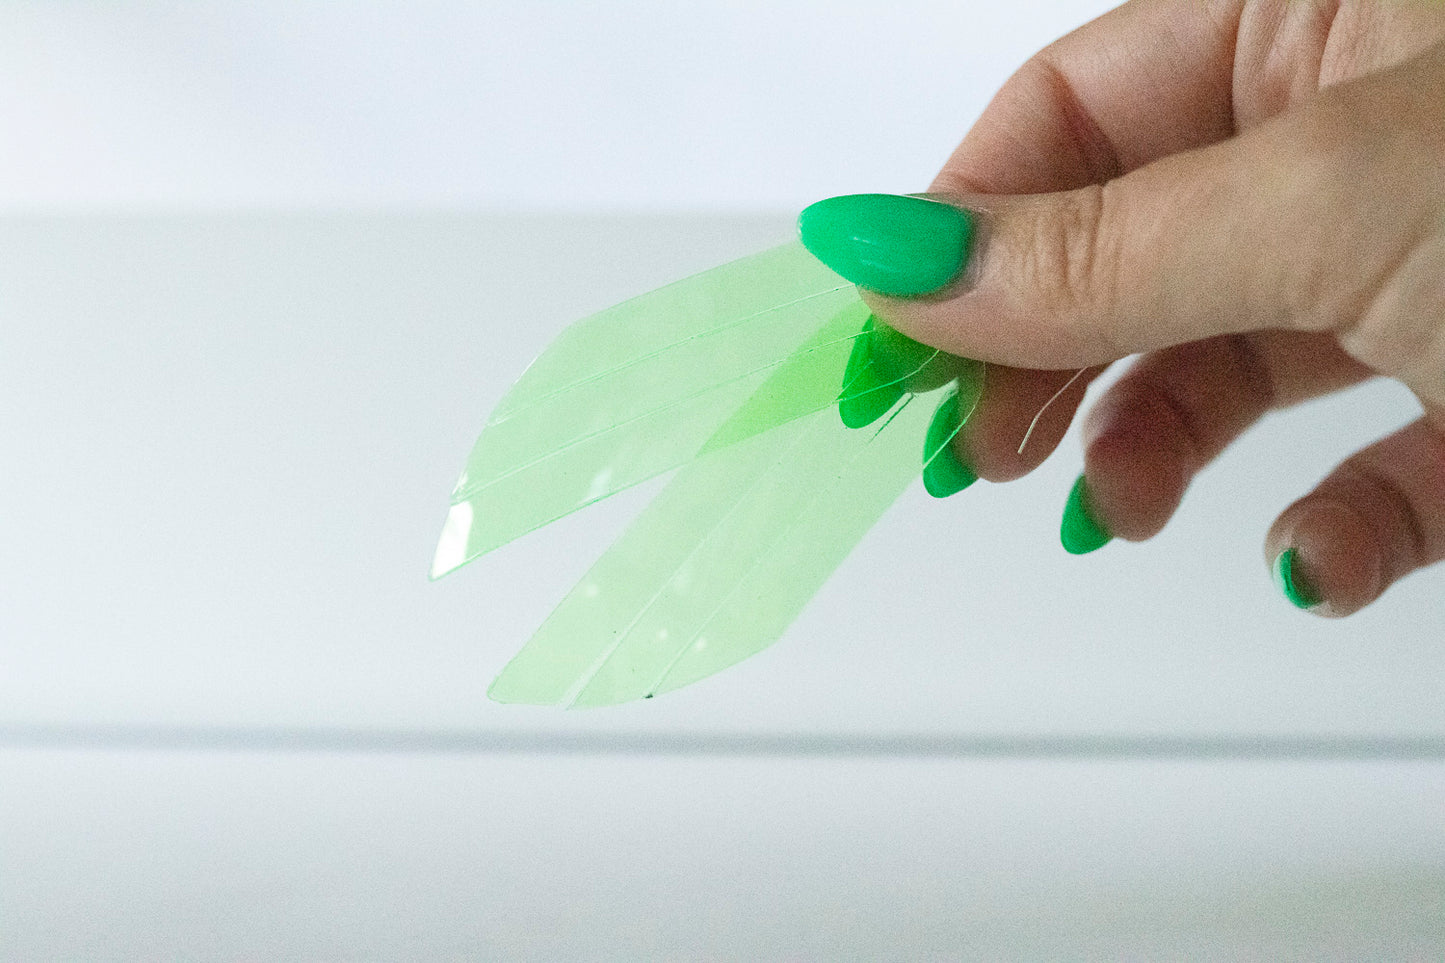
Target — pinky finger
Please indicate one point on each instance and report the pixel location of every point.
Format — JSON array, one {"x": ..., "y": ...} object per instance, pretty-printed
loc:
[{"x": 1375, "y": 519}]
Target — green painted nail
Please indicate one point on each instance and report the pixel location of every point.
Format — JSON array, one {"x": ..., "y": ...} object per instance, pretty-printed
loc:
[
  {"x": 861, "y": 355},
  {"x": 1291, "y": 583},
  {"x": 1080, "y": 533},
  {"x": 943, "y": 473},
  {"x": 889, "y": 243},
  {"x": 866, "y": 395},
  {"x": 868, "y": 399}
]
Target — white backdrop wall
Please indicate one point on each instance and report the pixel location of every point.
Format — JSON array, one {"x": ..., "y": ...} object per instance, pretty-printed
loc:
[
  {"x": 629, "y": 105},
  {"x": 236, "y": 721}
]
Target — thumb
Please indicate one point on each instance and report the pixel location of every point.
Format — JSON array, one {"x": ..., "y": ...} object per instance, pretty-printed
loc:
[{"x": 1294, "y": 224}]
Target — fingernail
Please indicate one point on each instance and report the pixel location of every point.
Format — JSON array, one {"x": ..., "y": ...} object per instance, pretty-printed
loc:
[
  {"x": 1290, "y": 581},
  {"x": 897, "y": 356},
  {"x": 890, "y": 243},
  {"x": 1079, "y": 532},
  {"x": 868, "y": 399},
  {"x": 859, "y": 357},
  {"x": 865, "y": 396},
  {"x": 943, "y": 473}
]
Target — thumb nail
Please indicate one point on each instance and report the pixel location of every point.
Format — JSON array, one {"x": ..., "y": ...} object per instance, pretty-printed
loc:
[{"x": 894, "y": 244}]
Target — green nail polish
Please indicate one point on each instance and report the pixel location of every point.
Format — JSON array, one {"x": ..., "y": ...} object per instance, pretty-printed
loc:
[
  {"x": 859, "y": 358},
  {"x": 866, "y": 396},
  {"x": 1290, "y": 582},
  {"x": 943, "y": 473},
  {"x": 867, "y": 399},
  {"x": 1080, "y": 533},
  {"x": 890, "y": 243}
]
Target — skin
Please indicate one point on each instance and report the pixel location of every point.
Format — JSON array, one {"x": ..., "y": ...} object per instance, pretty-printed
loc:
[{"x": 1248, "y": 194}]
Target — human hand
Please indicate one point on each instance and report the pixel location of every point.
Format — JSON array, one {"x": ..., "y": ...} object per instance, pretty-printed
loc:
[{"x": 1250, "y": 193}]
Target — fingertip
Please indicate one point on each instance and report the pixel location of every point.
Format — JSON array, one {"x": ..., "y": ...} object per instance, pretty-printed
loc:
[
  {"x": 1137, "y": 483},
  {"x": 1019, "y": 404},
  {"x": 1326, "y": 558}
]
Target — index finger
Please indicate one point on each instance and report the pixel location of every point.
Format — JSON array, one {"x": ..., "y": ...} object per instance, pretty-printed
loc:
[
  {"x": 1144, "y": 80},
  {"x": 1147, "y": 79}
]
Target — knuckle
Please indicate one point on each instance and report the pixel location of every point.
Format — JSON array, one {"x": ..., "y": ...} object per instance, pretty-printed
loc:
[
  {"x": 1246, "y": 386},
  {"x": 1070, "y": 261},
  {"x": 1175, "y": 424},
  {"x": 1379, "y": 498},
  {"x": 1401, "y": 329}
]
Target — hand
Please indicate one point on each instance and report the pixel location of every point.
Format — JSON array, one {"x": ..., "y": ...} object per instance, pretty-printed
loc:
[{"x": 1251, "y": 194}]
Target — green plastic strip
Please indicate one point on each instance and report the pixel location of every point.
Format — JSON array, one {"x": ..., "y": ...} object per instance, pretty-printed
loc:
[
  {"x": 647, "y": 386},
  {"x": 724, "y": 559},
  {"x": 650, "y": 325}
]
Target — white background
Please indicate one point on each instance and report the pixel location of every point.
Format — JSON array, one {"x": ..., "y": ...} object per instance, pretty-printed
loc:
[
  {"x": 562, "y": 106},
  {"x": 263, "y": 271}
]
